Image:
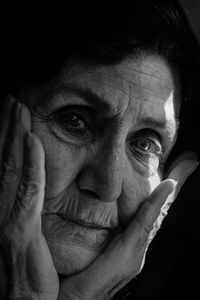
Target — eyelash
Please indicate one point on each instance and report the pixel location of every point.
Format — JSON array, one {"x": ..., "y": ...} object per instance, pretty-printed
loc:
[
  {"x": 157, "y": 147},
  {"x": 154, "y": 145},
  {"x": 82, "y": 114},
  {"x": 63, "y": 118},
  {"x": 78, "y": 122}
]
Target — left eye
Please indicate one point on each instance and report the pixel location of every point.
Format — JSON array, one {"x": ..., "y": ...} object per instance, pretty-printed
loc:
[{"x": 147, "y": 146}]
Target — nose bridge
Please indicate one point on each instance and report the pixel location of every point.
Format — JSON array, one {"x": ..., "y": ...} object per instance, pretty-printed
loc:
[
  {"x": 108, "y": 169},
  {"x": 102, "y": 173},
  {"x": 109, "y": 161}
]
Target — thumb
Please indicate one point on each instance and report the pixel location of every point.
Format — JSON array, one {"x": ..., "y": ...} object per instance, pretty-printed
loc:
[{"x": 181, "y": 169}]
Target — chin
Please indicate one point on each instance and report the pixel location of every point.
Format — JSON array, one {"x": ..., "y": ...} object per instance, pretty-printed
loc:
[
  {"x": 70, "y": 259},
  {"x": 73, "y": 246}
]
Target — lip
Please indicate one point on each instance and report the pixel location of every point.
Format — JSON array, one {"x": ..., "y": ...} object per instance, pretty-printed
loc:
[
  {"x": 63, "y": 230},
  {"x": 89, "y": 225}
]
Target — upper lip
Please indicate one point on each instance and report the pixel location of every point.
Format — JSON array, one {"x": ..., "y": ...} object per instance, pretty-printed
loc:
[{"x": 84, "y": 223}]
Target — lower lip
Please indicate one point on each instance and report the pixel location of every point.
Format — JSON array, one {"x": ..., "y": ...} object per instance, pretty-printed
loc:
[{"x": 61, "y": 230}]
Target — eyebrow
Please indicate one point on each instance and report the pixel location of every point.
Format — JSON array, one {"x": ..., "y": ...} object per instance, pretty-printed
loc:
[
  {"x": 169, "y": 125},
  {"x": 97, "y": 102},
  {"x": 162, "y": 124}
]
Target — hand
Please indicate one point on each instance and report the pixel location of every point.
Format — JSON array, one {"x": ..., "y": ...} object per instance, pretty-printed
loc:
[
  {"x": 124, "y": 257},
  {"x": 31, "y": 273}
]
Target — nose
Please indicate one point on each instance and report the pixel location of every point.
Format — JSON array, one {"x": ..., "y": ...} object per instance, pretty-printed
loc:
[{"x": 103, "y": 174}]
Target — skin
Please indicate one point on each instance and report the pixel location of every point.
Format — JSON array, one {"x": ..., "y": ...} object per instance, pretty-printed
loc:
[
  {"x": 112, "y": 177},
  {"x": 92, "y": 179}
]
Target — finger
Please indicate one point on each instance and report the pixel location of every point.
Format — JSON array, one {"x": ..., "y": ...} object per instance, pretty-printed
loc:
[
  {"x": 121, "y": 260},
  {"x": 181, "y": 169},
  {"x": 5, "y": 118},
  {"x": 30, "y": 195},
  {"x": 12, "y": 150},
  {"x": 139, "y": 229},
  {"x": 11, "y": 164},
  {"x": 12, "y": 157},
  {"x": 25, "y": 120},
  {"x": 188, "y": 155}
]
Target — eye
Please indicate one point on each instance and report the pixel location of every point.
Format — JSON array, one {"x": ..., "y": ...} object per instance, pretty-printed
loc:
[
  {"x": 74, "y": 123},
  {"x": 73, "y": 120},
  {"x": 143, "y": 145},
  {"x": 71, "y": 124},
  {"x": 146, "y": 146}
]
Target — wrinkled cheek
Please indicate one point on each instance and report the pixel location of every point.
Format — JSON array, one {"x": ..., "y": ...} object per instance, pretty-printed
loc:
[
  {"x": 59, "y": 171},
  {"x": 134, "y": 192},
  {"x": 60, "y": 163}
]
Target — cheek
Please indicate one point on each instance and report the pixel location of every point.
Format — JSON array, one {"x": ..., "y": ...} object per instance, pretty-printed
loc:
[
  {"x": 136, "y": 189},
  {"x": 60, "y": 170},
  {"x": 62, "y": 162}
]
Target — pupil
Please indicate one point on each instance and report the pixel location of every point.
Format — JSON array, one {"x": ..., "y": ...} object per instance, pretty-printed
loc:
[
  {"x": 144, "y": 145},
  {"x": 74, "y": 120}
]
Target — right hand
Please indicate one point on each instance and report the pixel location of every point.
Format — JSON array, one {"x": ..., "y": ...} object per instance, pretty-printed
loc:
[
  {"x": 124, "y": 257},
  {"x": 30, "y": 270}
]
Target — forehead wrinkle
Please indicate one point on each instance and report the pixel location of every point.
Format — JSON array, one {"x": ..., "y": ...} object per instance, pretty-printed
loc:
[
  {"x": 111, "y": 86},
  {"x": 143, "y": 73},
  {"x": 140, "y": 86},
  {"x": 144, "y": 118}
]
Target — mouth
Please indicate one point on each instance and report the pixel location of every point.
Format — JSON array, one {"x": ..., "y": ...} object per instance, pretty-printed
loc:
[
  {"x": 66, "y": 230},
  {"x": 89, "y": 225}
]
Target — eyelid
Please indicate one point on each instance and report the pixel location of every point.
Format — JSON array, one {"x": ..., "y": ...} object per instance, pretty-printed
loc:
[
  {"x": 84, "y": 111},
  {"x": 79, "y": 108},
  {"x": 150, "y": 134},
  {"x": 146, "y": 133}
]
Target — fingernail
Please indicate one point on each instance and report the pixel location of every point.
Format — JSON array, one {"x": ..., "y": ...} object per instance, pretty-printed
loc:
[
  {"x": 18, "y": 106},
  {"x": 17, "y": 112},
  {"x": 28, "y": 139},
  {"x": 9, "y": 100},
  {"x": 25, "y": 117}
]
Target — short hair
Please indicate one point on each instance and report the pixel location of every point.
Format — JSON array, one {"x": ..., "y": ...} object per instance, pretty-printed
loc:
[{"x": 101, "y": 36}]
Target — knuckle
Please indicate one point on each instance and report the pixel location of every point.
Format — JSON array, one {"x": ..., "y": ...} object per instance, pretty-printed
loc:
[
  {"x": 29, "y": 187},
  {"x": 144, "y": 236},
  {"x": 9, "y": 173},
  {"x": 147, "y": 229},
  {"x": 141, "y": 243},
  {"x": 12, "y": 237},
  {"x": 30, "y": 167},
  {"x": 30, "y": 172}
]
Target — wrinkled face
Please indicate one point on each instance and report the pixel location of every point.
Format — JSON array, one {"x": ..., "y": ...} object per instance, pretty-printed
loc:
[{"x": 107, "y": 132}]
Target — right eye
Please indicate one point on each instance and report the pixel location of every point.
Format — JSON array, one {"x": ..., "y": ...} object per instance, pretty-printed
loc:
[
  {"x": 72, "y": 120},
  {"x": 74, "y": 123}
]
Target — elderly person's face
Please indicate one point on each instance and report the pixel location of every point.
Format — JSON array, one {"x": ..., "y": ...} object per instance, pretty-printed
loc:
[{"x": 107, "y": 131}]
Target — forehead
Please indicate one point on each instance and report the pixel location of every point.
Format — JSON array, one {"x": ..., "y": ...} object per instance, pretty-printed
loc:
[{"x": 146, "y": 80}]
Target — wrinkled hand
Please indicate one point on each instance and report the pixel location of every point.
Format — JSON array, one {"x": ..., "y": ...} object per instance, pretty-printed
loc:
[
  {"x": 124, "y": 257},
  {"x": 23, "y": 249}
]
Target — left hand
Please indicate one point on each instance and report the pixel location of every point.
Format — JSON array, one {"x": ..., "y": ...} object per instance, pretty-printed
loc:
[{"x": 124, "y": 257}]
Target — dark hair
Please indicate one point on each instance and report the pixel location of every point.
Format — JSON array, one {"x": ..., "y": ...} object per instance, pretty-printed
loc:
[{"x": 103, "y": 36}]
